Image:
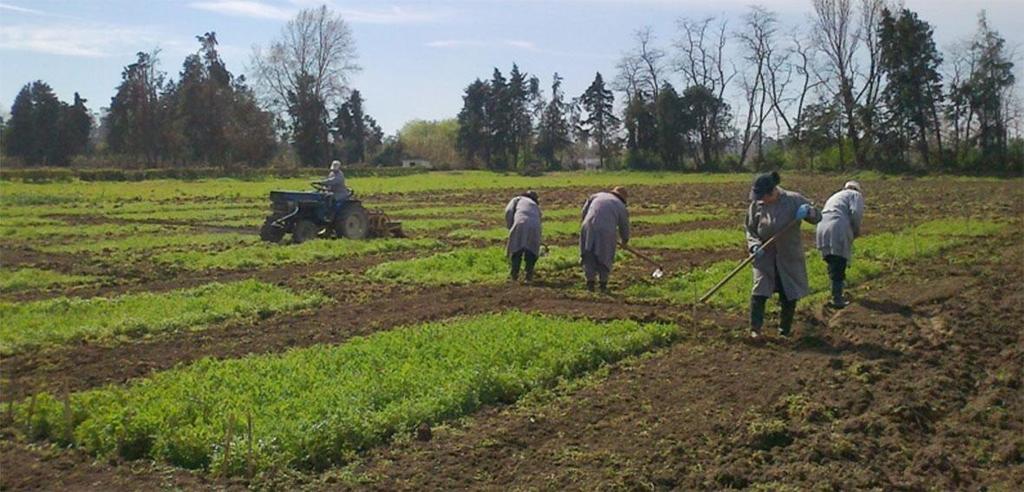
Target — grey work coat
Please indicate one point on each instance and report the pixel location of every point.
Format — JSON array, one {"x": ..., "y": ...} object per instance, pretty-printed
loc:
[
  {"x": 840, "y": 223},
  {"x": 786, "y": 254},
  {"x": 604, "y": 218},
  {"x": 335, "y": 184},
  {"x": 522, "y": 217}
]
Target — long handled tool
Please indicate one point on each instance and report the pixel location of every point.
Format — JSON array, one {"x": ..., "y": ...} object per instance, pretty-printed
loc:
[
  {"x": 658, "y": 272},
  {"x": 747, "y": 261}
]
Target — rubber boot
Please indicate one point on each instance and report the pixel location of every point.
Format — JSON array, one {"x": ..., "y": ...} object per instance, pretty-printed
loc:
[
  {"x": 837, "y": 295},
  {"x": 529, "y": 275},
  {"x": 604, "y": 287},
  {"x": 590, "y": 285},
  {"x": 757, "y": 305},
  {"x": 786, "y": 318}
]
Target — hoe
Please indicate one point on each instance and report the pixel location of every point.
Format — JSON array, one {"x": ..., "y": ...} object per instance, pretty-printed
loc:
[{"x": 310, "y": 214}]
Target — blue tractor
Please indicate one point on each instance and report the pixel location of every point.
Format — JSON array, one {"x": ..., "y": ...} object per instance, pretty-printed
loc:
[{"x": 310, "y": 214}]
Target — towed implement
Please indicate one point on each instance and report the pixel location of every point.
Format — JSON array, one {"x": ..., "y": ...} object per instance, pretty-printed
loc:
[{"x": 310, "y": 214}]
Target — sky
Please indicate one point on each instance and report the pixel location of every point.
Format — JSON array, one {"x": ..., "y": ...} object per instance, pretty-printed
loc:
[{"x": 416, "y": 56}]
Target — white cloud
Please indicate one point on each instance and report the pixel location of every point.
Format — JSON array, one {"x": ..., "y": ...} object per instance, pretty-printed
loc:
[
  {"x": 265, "y": 10},
  {"x": 244, "y": 8},
  {"x": 73, "y": 40},
  {"x": 21, "y": 10},
  {"x": 526, "y": 45}
]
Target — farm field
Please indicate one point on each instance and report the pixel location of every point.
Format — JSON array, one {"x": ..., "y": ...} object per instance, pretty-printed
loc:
[{"x": 149, "y": 340}]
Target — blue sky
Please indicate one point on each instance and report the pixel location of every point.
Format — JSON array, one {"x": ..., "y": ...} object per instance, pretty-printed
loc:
[{"x": 417, "y": 56}]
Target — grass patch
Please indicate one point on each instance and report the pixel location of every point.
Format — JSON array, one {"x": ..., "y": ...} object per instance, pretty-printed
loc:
[
  {"x": 696, "y": 239},
  {"x": 135, "y": 244},
  {"x": 467, "y": 266},
  {"x": 56, "y": 321},
  {"x": 314, "y": 407},
  {"x": 873, "y": 255},
  {"x": 34, "y": 278},
  {"x": 267, "y": 254}
]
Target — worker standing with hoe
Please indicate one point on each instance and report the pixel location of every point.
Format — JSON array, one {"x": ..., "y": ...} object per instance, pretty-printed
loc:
[
  {"x": 522, "y": 217},
  {"x": 605, "y": 220},
  {"x": 840, "y": 225},
  {"x": 781, "y": 266}
]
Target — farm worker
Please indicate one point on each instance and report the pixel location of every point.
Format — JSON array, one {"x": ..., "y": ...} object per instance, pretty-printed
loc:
[
  {"x": 335, "y": 185},
  {"x": 781, "y": 267},
  {"x": 604, "y": 217},
  {"x": 335, "y": 182},
  {"x": 522, "y": 217},
  {"x": 840, "y": 224}
]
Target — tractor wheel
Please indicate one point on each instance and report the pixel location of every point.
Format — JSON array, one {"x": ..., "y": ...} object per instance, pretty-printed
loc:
[
  {"x": 304, "y": 230},
  {"x": 353, "y": 223},
  {"x": 271, "y": 233}
]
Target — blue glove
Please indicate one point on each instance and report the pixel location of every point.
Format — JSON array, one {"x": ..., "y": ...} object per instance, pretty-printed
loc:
[
  {"x": 757, "y": 251},
  {"x": 803, "y": 211}
]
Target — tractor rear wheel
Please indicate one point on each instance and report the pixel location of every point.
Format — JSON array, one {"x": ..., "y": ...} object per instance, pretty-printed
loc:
[
  {"x": 270, "y": 232},
  {"x": 353, "y": 223},
  {"x": 304, "y": 230}
]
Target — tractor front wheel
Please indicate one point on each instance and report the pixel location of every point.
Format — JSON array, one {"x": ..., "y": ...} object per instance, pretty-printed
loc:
[
  {"x": 270, "y": 232},
  {"x": 304, "y": 230},
  {"x": 353, "y": 223}
]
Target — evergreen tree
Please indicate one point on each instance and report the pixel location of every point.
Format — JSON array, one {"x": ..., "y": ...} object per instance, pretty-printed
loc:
[
  {"x": 910, "y": 61},
  {"x": 43, "y": 130},
  {"x": 672, "y": 126},
  {"x": 137, "y": 119},
  {"x": 309, "y": 122},
  {"x": 554, "y": 134},
  {"x": 498, "y": 111},
  {"x": 356, "y": 134},
  {"x": 601, "y": 125},
  {"x": 711, "y": 119},
  {"x": 473, "y": 139}
]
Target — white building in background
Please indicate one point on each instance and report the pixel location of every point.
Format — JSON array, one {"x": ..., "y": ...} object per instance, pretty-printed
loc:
[{"x": 589, "y": 163}]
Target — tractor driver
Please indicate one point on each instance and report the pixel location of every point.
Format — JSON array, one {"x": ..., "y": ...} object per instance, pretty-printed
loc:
[{"x": 335, "y": 185}]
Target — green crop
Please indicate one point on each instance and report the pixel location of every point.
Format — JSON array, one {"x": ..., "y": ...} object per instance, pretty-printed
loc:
[
  {"x": 313, "y": 407},
  {"x": 427, "y": 211},
  {"x": 75, "y": 193},
  {"x": 696, "y": 239},
  {"x": 549, "y": 230},
  {"x": 55, "y": 321},
  {"x": 466, "y": 266},
  {"x": 267, "y": 254},
  {"x": 673, "y": 218},
  {"x": 872, "y": 255},
  {"x": 34, "y": 278},
  {"x": 181, "y": 238},
  {"x": 432, "y": 225}
]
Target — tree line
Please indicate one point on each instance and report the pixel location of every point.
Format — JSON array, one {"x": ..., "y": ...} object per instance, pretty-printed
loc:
[
  {"x": 299, "y": 104},
  {"x": 863, "y": 85}
]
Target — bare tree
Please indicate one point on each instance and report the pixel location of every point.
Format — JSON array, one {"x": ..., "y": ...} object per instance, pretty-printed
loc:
[
  {"x": 757, "y": 39},
  {"x": 641, "y": 68},
  {"x": 793, "y": 66},
  {"x": 701, "y": 59},
  {"x": 840, "y": 32},
  {"x": 316, "y": 43}
]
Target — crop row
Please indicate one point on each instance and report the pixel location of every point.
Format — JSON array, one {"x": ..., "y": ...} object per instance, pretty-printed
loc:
[
  {"x": 314, "y": 407},
  {"x": 55, "y": 321},
  {"x": 873, "y": 255},
  {"x": 35, "y": 278}
]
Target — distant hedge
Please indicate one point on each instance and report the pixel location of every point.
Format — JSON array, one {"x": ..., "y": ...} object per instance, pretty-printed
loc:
[{"x": 51, "y": 174}]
